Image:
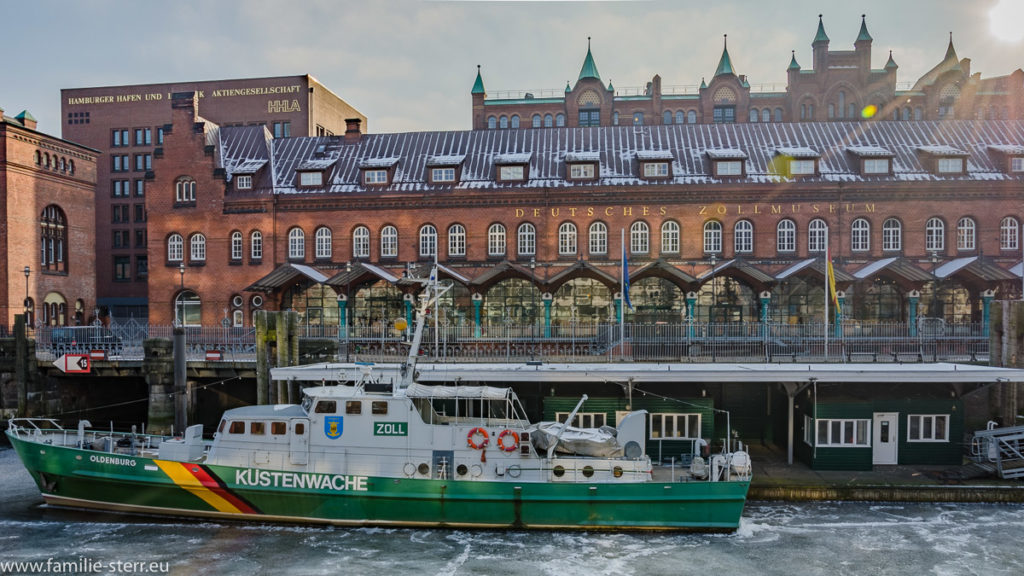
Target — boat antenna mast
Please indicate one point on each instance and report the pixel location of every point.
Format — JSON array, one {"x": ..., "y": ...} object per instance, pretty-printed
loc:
[{"x": 429, "y": 296}]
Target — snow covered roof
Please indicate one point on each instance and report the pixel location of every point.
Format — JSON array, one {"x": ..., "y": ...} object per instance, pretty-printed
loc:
[
  {"x": 522, "y": 158},
  {"x": 654, "y": 155},
  {"x": 378, "y": 162},
  {"x": 800, "y": 152},
  {"x": 1007, "y": 148},
  {"x": 726, "y": 154},
  {"x": 249, "y": 166},
  {"x": 582, "y": 156},
  {"x": 942, "y": 150},
  {"x": 446, "y": 160},
  {"x": 316, "y": 163},
  {"x": 869, "y": 151}
]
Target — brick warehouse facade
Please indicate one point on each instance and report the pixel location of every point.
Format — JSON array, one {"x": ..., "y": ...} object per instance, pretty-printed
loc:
[
  {"x": 126, "y": 124},
  {"x": 840, "y": 86},
  {"x": 724, "y": 223},
  {"x": 47, "y": 189}
]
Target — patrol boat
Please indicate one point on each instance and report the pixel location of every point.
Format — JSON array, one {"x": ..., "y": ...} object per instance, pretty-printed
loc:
[{"x": 381, "y": 449}]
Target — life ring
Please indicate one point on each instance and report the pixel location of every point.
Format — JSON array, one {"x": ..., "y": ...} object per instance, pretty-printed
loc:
[
  {"x": 473, "y": 434},
  {"x": 509, "y": 447}
]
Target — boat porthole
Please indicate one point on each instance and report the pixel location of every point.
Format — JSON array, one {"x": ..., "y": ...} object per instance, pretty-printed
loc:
[
  {"x": 513, "y": 471},
  {"x": 461, "y": 469},
  {"x": 423, "y": 469},
  {"x": 617, "y": 471},
  {"x": 78, "y": 457},
  {"x": 558, "y": 471},
  {"x": 476, "y": 470},
  {"x": 588, "y": 471},
  {"x": 409, "y": 469}
]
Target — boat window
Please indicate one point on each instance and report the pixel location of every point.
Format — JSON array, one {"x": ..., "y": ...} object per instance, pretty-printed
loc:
[
  {"x": 300, "y": 428},
  {"x": 380, "y": 407},
  {"x": 257, "y": 428},
  {"x": 222, "y": 424},
  {"x": 237, "y": 427},
  {"x": 307, "y": 403},
  {"x": 326, "y": 407},
  {"x": 278, "y": 428},
  {"x": 353, "y": 407}
]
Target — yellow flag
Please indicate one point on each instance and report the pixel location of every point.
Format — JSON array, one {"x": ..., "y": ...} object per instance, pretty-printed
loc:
[{"x": 831, "y": 273}]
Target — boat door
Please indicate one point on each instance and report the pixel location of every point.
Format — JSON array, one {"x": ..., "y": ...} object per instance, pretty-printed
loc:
[
  {"x": 886, "y": 437},
  {"x": 298, "y": 449}
]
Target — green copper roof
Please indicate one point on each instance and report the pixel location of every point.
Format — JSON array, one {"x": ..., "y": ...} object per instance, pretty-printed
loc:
[
  {"x": 820, "y": 36},
  {"x": 951, "y": 53},
  {"x": 478, "y": 86},
  {"x": 25, "y": 116},
  {"x": 792, "y": 62},
  {"x": 863, "y": 30},
  {"x": 725, "y": 63},
  {"x": 610, "y": 87},
  {"x": 891, "y": 63},
  {"x": 567, "y": 87},
  {"x": 589, "y": 69},
  {"x": 703, "y": 84}
]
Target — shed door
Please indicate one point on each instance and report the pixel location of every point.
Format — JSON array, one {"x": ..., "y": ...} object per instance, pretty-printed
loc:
[
  {"x": 886, "y": 437},
  {"x": 298, "y": 452}
]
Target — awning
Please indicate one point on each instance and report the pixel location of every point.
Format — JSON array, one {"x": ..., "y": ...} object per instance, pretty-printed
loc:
[
  {"x": 360, "y": 270},
  {"x": 501, "y": 271},
  {"x": 977, "y": 267},
  {"x": 897, "y": 266},
  {"x": 284, "y": 275},
  {"x": 662, "y": 269},
  {"x": 739, "y": 265},
  {"x": 581, "y": 268},
  {"x": 816, "y": 265}
]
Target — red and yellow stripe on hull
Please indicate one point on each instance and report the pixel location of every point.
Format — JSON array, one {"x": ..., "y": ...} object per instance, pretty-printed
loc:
[{"x": 198, "y": 480}]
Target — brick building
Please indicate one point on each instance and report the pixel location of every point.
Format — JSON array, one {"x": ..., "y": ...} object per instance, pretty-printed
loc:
[
  {"x": 723, "y": 222},
  {"x": 47, "y": 189},
  {"x": 127, "y": 122},
  {"x": 840, "y": 86}
]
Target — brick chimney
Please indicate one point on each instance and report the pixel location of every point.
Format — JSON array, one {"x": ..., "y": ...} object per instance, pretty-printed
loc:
[
  {"x": 184, "y": 107},
  {"x": 352, "y": 129}
]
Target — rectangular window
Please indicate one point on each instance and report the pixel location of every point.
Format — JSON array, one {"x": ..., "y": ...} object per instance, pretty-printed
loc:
[
  {"x": 243, "y": 182},
  {"x": 278, "y": 428},
  {"x": 442, "y": 174},
  {"x": 120, "y": 188},
  {"x": 801, "y": 167},
  {"x": 843, "y": 433},
  {"x": 379, "y": 407},
  {"x": 876, "y": 166},
  {"x": 140, "y": 163},
  {"x": 655, "y": 169},
  {"x": 729, "y": 168},
  {"x": 375, "y": 177},
  {"x": 808, "y": 430},
  {"x": 511, "y": 173},
  {"x": 353, "y": 407},
  {"x": 237, "y": 427},
  {"x": 311, "y": 178},
  {"x": 160, "y": 136},
  {"x": 928, "y": 428},
  {"x": 257, "y": 428},
  {"x": 951, "y": 165},
  {"x": 581, "y": 171},
  {"x": 140, "y": 238},
  {"x": 326, "y": 407},
  {"x": 116, "y": 140},
  {"x": 139, "y": 138},
  {"x": 668, "y": 426},
  {"x": 140, "y": 213},
  {"x": 122, "y": 268},
  {"x": 724, "y": 114},
  {"x": 282, "y": 129},
  {"x": 142, "y": 267},
  {"x": 140, "y": 188},
  {"x": 1017, "y": 164},
  {"x": 584, "y": 419}
]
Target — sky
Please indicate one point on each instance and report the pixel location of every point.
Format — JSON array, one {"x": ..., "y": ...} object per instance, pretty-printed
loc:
[{"x": 409, "y": 65}]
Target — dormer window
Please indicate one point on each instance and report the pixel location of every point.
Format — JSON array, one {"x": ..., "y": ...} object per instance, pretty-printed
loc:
[
  {"x": 950, "y": 165},
  {"x": 1017, "y": 164},
  {"x": 582, "y": 165},
  {"x": 243, "y": 182},
  {"x": 377, "y": 171},
  {"x": 655, "y": 169},
  {"x": 875, "y": 166},
  {"x": 512, "y": 167},
  {"x": 797, "y": 161},
  {"x": 311, "y": 178},
  {"x": 728, "y": 162},
  {"x": 442, "y": 175},
  {"x": 1012, "y": 156},
  {"x": 873, "y": 160},
  {"x": 944, "y": 160},
  {"x": 581, "y": 171},
  {"x": 655, "y": 164},
  {"x": 375, "y": 176},
  {"x": 445, "y": 169}
]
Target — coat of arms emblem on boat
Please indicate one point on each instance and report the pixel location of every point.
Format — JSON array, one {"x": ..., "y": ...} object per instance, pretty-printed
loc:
[{"x": 333, "y": 426}]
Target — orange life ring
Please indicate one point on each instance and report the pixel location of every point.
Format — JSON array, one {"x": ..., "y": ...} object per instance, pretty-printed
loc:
[
  {"x": 515, "y": 441},
  {"x": 473, "y": 434}
]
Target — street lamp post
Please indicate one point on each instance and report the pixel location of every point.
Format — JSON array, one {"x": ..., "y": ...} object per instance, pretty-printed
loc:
[
  {"x": 181, "y": 294},
  {"x": 533, "y": 297},
  {"x": 27, "y": 305},
  {"x": 935, "y": 285},
  {"x": 714, "y": 292},
  {"x": 348, "y": 296}
]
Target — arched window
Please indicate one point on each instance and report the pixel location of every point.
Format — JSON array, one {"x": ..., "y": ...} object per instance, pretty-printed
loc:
[
  {"x": 667, "y": 117},
  {"x": 185, "y": 190},
  {"x": 63, "y": 166},
  {"x": 860, "y": 235},
  {"x": 965, "y": 236},
  {"x": 754, "y": 115},
  {"x": 175, "y": 248},
  {"x": 785, "y": 236},
  {"x": 934, "y": 235},
  {"x": 615, "y": 118},
  {"x": 496, "y": 240},
  {"x": 197, "y": 248},
  {"x": 515, "y": 121},
  {"x": 71, "y": 166},
  {"x": 778, "y": 114},
  {"x": 526, "y": 239},
  {"x": 766, "y": 115},
  {"x": 842, "y": 103},
  {"x": 567, "y": 239},
  {"x": 188, "y": 309},
  {"x": 680, "y": 117},
  {"x": 918, "y": 114},
  {"x": 831, "y": 111},
  {"x": 361, "y": 242},
  {"x": 638, "y": 118},
  {"x": 1009, "y": 234},
  {"x": 38, "y": 158},
  {"x": 536, "y": 120},
  {"x": 691, "y": 117},
  {"x": 53, "y": 228},
  {"x": 712, "y": 236},
  {"x": 503, "y": 122},
  {"x": 428, "y": 240},
  {"x": 296, "y": 243},
  {"x": 323, "y": 242},
  {"x": 598, "y": 238},
  {"x": 817, "y": 235},
  {"x": 670, "y": 237},
  {"x": 639, "y": 238},
  {"x": 456, "y": 240},
  {"x": 236, "y": 245},
  {"x": 560, "y": 120},
  {"x": 906, "y": 113},
  {"x": 256, "y": 245},
  {"x": 389, "y": 242},
  {"x": 549, "y": 121},
  {"x": 743, "y": 236},
  {"x": 492, "y": 122},
  {"x": 892, "y": 235}
]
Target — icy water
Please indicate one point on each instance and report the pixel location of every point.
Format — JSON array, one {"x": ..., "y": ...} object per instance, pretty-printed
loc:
[{"x": 824, "y": 539}]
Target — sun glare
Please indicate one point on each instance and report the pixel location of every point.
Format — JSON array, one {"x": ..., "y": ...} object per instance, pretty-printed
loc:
[{"x": 1006, "y": 20}]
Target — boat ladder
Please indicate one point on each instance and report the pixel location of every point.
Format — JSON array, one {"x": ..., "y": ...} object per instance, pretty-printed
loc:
[{"x": 999, "y": 450}]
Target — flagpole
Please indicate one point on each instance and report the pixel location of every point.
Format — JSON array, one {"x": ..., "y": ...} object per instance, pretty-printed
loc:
[
  {"x": 828, "y": 262},
  {"x": 622, "y": 297}
]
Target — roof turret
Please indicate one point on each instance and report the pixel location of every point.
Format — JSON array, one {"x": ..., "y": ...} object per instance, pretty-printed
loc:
[
  {"x": 951, "y": 53},
  {"x": 820, "y": 36},
  {"x": 863, "y": 35},
  {"x": 478, "y": 86},
  {"x": 589, "y": 69},
  {"x": 792, "y": 62},
  {"x": 725, "y": 63},
  {"x": 891, "y": 64}
]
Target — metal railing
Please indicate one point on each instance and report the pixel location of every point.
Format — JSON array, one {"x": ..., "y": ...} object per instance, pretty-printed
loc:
[{"x": 931, "y": 341}]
